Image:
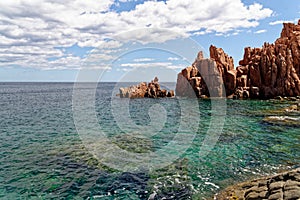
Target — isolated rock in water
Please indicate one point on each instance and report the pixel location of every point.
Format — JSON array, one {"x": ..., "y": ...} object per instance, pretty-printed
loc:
[
  {"x": 267, "y": 72},
  {"x": 137, "y": 91},
  {"x": 150, "y": 90}
]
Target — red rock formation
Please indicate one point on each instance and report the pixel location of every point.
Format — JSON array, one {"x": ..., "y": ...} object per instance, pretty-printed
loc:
[
  {"x": 152, "y": 90},
  {"x": 226, "y": 68},
  {"x": 266, "y": 72},
  {"x": 274, "y": 68},
  {"x": 206, "y": 76}
]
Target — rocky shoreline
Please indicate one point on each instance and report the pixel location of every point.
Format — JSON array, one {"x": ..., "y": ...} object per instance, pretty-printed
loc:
[
  {"x": 281, "y": 186},
  {"x": 284, "y": 186},
  {"x": 264, "y": 73}
]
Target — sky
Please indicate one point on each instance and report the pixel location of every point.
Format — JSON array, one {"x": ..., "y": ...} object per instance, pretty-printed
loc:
[{"x": 129, "y": 40}]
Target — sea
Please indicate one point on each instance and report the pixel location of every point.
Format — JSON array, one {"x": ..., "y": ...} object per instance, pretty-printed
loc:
[{"x": 182, "y": 148}]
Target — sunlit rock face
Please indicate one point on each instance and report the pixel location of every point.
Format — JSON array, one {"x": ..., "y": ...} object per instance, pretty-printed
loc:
[{"x": 266, "y": 72}]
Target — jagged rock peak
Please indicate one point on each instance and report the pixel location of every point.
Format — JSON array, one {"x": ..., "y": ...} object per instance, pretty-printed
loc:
[
  {"x": 274, "y": 68},
  {"x": 266, "y": 72}
]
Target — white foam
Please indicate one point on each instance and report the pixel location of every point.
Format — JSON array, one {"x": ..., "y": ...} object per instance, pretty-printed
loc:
[
  {"x": 284, "y": 118},
  {"x": 212, "y": 184}
]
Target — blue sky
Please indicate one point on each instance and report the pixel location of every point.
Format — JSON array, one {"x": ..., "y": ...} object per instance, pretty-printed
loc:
[{"x": 129, "y": 40}]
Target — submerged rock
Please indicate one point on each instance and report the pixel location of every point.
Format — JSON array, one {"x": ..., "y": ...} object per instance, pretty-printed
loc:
[
  {"x": 133, "y": 142},
  {"x": 171, "y": 182},
  {"x": 150, "y": 90}
]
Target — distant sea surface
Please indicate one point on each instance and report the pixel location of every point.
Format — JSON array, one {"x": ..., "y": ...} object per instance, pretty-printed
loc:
[{"x": 42, "y": 155}]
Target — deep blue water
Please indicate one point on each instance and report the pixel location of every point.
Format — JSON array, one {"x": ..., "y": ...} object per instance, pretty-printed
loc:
[{"x": 42, "y": 155}]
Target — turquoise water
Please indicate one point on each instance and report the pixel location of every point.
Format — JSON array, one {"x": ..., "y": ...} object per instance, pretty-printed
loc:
[{"x": 43, "y": 157}]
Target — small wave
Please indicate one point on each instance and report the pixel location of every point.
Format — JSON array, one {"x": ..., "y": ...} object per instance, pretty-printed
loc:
[
  {"x": 284, "y": 118},
  {"x": 212, "y": 184}
]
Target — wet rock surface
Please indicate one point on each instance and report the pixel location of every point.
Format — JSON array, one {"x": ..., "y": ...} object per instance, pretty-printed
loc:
[
  {"x": 285, "y": 186},
  {"x": 144, "y": 90},
  {"x": 264, "y": 73}
]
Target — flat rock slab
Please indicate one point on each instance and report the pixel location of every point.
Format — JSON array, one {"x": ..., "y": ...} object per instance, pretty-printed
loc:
[{"x": 284, "y": 186}]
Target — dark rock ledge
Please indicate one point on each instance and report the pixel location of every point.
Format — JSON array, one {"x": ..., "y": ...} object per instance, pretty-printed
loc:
[{"x": 285, "y": 186}]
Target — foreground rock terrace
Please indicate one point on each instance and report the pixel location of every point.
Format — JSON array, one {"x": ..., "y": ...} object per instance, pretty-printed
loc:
[{"x": 282, "y": 186}]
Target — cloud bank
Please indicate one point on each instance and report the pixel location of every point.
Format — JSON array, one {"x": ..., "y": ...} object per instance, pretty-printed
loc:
[{"x": 36, "y": 33}]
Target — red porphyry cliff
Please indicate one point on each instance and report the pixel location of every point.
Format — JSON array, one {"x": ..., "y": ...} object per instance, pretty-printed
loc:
[{"x": 266, "y": 72}]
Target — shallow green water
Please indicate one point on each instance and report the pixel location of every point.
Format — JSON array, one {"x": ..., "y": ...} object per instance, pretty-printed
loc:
[{"x": 43, "y": 157}]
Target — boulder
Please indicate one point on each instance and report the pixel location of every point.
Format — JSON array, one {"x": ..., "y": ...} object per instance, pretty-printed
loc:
[
  {"x": 170, "y": 93},
  {"x": 163, "y": 93},
  {"x": 241, "y": 81}
]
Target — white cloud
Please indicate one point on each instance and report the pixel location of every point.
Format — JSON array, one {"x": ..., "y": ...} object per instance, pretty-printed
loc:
[
  {"x": 100, "y": 57},
  {"x": 168, "y": 65},
  {"x": 173, "y": 58},
  {"x": 146, "y": 65},
  {"x": 143, "y": 59},
  {"x": 260, "y": 31},
  {"x": 124, "y": 69},
  {"x": 176, "y": 67},
  {"x": 278, "y": 22},
  {"x": 200, "y": 33},
  {"x": 125, "y": 1},
  {"x": 283, "y": 21},
  {"x": 31, "y": 31}
]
